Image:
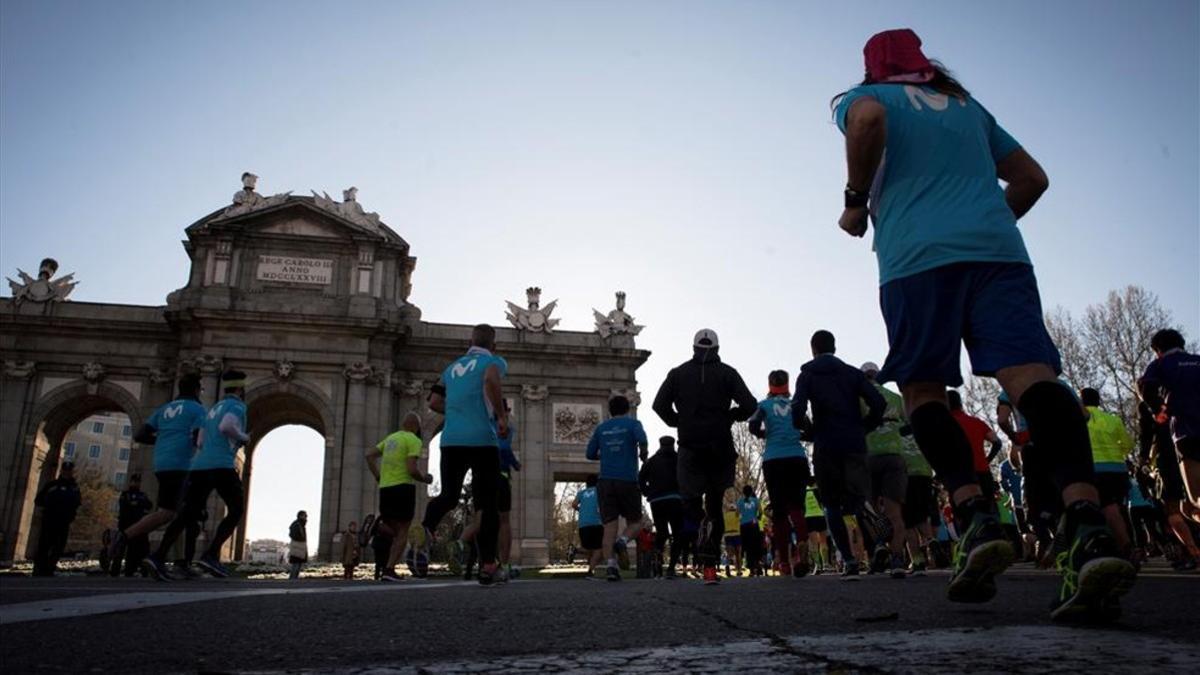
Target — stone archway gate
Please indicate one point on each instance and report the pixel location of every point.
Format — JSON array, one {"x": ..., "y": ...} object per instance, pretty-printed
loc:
[{"x": 310, "y": 298}]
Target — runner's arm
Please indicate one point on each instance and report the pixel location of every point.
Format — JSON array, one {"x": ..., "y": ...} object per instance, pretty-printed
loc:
[
  {"x": 876, "y": 403},
  {"x": 800, "y": 406},
  {"x": 1026, "y": 181},
  {"x": 756, "y": 424},
  {"x": 742, "y": 398},
  {"x": 146, "y": 435},
  {"x": 231, "y": 427},
  {"x": 415, "y": 471},
  {"x": 373, "y": 455},
  {"x": 495, "y": 395},
  {"x": 664, "y": 401},
  {"x": 866, "y": 137},
  {"x": 437, "y": 398}
]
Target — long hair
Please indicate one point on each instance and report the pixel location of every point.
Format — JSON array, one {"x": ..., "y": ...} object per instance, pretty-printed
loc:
[{"x": 943, "y": 81}]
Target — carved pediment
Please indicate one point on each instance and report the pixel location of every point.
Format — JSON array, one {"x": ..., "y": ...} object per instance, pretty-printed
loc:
[{"x": 296, "y": 215}]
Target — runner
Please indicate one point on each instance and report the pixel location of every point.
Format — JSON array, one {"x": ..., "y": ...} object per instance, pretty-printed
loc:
[
  {"x": 786, "y": 473},
  {"x": 953, "y": 268},
  {"x": 838, "y": 431},
  {"x": 172, "y": 429},
  {"x": 222, "y": 433},
  {"x": 617, "y": 443},
  {"x": 661, "y": 488},
  {"x": 394, "y": 463},
  {"x": 814, "y": 523},
  {"x": 919, "y": 502},
  {"x": 508, "y": 464},
  {"x": 889, "y": 477},
  {"x": 695, "y": 398},
  {"x": 1111, "y": 446},
  {"x": 733, "y": 542},
  {"x": 979, "y": 433},
  {"x": 749, "y": 509},
  {"x": 1171, "y": 386},
  {"x": 591, "y": 528},
  {"x": 132, "y": 506},
  {"x": 1155, "y": 441},
  {"x": 471, "y": 398}
]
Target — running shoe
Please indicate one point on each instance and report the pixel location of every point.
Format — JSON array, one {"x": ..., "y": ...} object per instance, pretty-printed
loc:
[
  {"x": 1094, "y": 577},
  {"x": 850, "y": 572},
  {"x": 502, "y": 575},
  {"x": 183, "y": 570},
  {"x": 390, "y": 576},
  {"x": 880, "y": 559},
  {"x": 670, "y": 573},
  {"x": 155, "y": 568},
  {"x": 488, "y": 574},
  {"x": 785, "y": 569},
  {"x": 918, "y": 568},
  {"x": 981, "y": 554},
  {"x": 213, "y": 567},
  {"x": 710, "y": 576},
  {"x": 115, "y": 545},
  {"x": 1185, "y": 565},
  {"x": 898, "y": 570},
  {"x": 613, "y": 574}
]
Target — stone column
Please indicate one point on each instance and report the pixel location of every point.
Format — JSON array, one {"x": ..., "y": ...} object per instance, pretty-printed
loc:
[
  {"x": 353, "y": 463},
  {"x": 17, "y": 393},
  {"x": 209, "y": 367},
  {"x": 536, "y": 486}
]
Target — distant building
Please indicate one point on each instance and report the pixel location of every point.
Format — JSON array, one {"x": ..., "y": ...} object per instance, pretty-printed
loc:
[
  {"x": 267, "y": 551},
  {"x": 101, "y": 446}
]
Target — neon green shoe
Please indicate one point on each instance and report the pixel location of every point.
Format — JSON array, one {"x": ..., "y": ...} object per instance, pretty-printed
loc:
[
  {"x": 1094, "y": 578},
  {"x": 981, "y": 554}
]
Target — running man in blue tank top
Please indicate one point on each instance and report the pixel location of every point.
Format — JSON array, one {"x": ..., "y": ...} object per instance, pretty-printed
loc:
[
  {"x": 470, "y": 396},
  {"x": 924, "y": 162}
]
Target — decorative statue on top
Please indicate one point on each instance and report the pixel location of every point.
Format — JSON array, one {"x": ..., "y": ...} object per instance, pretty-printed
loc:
[
  {"x": 534, "y": 319},
  {"x": 616, "y": 322},
  {"x": 42, "y": 289},
  {"x": 247, "y": 200},
  {"x": 348, "y": 208}
]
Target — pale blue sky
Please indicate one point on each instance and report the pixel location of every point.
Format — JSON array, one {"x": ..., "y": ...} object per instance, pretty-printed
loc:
[{"x": 682, "y": 152}]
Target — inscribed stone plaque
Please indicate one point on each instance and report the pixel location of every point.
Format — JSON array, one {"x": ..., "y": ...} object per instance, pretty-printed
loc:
[
  {"x": 574, "y": 422},
  {"x": 293, "y": 270}
]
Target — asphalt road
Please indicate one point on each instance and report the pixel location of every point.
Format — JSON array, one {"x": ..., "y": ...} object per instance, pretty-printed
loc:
[{"x": 556, "y": 625}]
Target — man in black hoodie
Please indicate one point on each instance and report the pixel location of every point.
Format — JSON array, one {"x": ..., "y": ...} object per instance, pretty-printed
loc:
[
  {"x": 696, "y": 398},
  {"x": 59, "y": 501},
  {"x": 660, "y": 487},
  {"x": 838, "y": 431}
]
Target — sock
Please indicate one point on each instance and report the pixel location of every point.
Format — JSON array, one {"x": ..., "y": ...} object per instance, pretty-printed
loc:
[
  {"x": 944, "y": 444},
  {"x": 1058, "y": 429},
  {"x": 612, "y": 562},
  {"x": 965, "y": 512}
]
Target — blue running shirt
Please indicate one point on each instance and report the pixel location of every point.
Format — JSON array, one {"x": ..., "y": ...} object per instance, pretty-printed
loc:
[
  {"x": 589, "y": 508},
  {"x": 936, "y": 199},
  {"x": 615, "y": 444},
  {"x": 468, "y": 413},
  {"x": 174, "y": 423},
  {"x": 783, "y": 439},
  {"x": 747, "y": 510},
  {"x": 218, "y": 451}
]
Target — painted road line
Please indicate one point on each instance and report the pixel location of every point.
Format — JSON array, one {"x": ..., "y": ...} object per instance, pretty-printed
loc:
[{"x": 90, "y": 605}]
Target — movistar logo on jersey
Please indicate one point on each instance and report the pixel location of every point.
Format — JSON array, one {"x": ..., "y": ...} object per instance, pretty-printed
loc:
[
  {"x": 460, "y": 369},
  {"x": 171, "y": 412},
  {"x": 783, "y": 409}
]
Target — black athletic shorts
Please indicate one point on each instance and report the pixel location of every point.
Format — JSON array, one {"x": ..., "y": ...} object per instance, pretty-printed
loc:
[
  {"x": 1188, "y": 448},
  {"x": 842, "y": 478},
  {"x": 619, "y": 499},
  {"x": 398, "y": 502},
  {"x": 1169, "y": 475},
  {"x": 1113, "y": 487},
  {"x": 787, "y": 483},
  {"x": 815, "y": 524},
  {"x": 889, "y": 477},
  {"x": 504, "y": 495},
  {"x": 171, "y": 487},
  {"x": 591, "y": 537},
  {"x": 705, "y": 469},
  {"x": 917, "y": 501}
]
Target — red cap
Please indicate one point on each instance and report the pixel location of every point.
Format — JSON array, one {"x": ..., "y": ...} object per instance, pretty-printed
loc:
[{"x": 895, "y": 53}]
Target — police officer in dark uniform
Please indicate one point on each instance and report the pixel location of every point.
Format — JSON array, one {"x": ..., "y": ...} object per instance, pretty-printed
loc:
[
  {"x": 59, "y": 501},
  {"x": 133, "y": 506}
]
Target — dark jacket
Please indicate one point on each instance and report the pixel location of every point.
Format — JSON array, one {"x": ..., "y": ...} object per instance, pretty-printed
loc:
[
  {"x": 657, "y": 477},
  {"x": 59, "y": 500},
  {"x": 133, "y": 506},
  {"x": 298, "y": 531},
  {"x": 835, "y": 391},
  {"x": 696, "y": 396}
]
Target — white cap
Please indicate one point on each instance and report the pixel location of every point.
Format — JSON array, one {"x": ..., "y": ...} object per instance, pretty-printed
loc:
[
  {"x": 705, "y": 337},
  {"x": 869, "y": 367}
]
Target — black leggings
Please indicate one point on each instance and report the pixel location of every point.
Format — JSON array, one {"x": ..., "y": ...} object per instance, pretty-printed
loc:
[
  {"x": 201, "y": 484},
  {"x": 668, "y": 525},
  {"x": 483, "y": 461},
  {"x": 1149, "y": 524},
  {"x": 709, "y": 510}
]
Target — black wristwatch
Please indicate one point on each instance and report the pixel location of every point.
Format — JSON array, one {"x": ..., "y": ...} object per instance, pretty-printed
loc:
[{"x": 856, "y": 199}]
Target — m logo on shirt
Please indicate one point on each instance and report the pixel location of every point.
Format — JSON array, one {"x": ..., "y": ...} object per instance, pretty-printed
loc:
[
  {"x": 783, "y": 409},
  {"x": 173, "y": 411},
  {"x": 935, "y": 101},
  {"x": 460, "y": 369}
]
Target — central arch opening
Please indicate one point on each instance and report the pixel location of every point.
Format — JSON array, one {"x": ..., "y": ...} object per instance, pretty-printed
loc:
[{"x": 287, "y": 476}]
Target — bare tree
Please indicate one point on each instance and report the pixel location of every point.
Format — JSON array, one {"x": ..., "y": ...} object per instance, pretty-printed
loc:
[
  {"x": 1078, "y": 362},
  {"x": 748, "y": 470},
  {"x": 980, "y": 396}
]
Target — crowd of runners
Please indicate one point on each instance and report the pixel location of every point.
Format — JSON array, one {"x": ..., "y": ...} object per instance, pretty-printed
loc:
[{"x": 858, "y": 477}]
